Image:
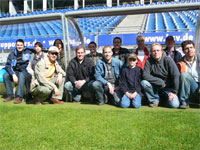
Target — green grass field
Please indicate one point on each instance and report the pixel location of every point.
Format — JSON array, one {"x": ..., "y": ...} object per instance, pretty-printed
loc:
[{"x": 85, "y": 126}]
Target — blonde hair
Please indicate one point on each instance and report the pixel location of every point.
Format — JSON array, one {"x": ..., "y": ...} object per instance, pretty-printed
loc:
[{"x": 156, "y": 44}]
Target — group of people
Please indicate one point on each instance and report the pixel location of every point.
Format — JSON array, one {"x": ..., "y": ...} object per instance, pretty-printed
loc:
[{"x": 115, "y": 76}]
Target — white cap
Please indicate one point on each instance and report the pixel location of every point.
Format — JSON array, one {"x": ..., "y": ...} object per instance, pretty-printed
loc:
[{"x": 53, "y": 49}]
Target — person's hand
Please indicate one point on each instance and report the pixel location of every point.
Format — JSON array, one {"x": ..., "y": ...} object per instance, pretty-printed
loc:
[
  {"x": 57, "y": 92},
  {"x": 133, "y": 95},
  {"x": 15, "y": 78},
  {"x": 79, "y": 83},
  {"x": 59, "y": 79},
  {"x": 171, "y": 96},
  {"x": 111, "y": 88},
  {"x": 128, "y": 95}
]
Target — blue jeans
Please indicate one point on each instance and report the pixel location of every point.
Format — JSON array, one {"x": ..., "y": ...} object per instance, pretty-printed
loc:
[
  {"x": 21, "y": 81},
  {"x": 188, "y": 87},
  {"x": 101, "y": 89},
  {"x": 154, "y": 93},
  {"x": 75, "y": 92},
  {"x": 126, "y": 102}
]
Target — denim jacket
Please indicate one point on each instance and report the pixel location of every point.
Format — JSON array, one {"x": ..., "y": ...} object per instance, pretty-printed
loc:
[{"x": 101, "y": 71}]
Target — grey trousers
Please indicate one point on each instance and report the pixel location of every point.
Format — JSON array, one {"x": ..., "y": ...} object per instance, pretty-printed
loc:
[{"x": 41, "y": 93}]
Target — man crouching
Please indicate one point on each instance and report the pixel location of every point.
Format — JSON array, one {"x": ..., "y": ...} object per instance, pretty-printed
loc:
[{"x": 48, "y": 79}]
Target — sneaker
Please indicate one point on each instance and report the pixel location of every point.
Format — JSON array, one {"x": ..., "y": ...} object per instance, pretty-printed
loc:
[
  {"x": 18, "y": 100},
  {"x": 184, "y": 106},
  {"x": 105, "y": 99},
  {"x": 8, "y": 99},
  {"x": 100, "y": 103},
  {"x": 153, "y": 105}
]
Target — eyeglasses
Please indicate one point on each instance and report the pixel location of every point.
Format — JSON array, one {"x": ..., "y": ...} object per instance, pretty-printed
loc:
[{"x": 54, "y": 53}]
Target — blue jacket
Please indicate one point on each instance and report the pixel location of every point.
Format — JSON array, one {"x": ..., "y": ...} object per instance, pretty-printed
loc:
[
  {"x": 12, "y": 61},
  {"x": 101, "y": 71}
]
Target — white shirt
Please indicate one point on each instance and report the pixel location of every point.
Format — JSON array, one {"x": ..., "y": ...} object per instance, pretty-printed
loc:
[
  {"x": 141, "y": 55},
  {"x": 193, "y": 69}
]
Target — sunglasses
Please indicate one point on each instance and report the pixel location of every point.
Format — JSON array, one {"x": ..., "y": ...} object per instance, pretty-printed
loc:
[
  {"x": 54, "y": 53},
  {"x": 132, "y": 59}
]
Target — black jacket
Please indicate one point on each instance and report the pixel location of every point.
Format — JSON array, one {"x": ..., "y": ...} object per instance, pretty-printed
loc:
[
  {"x": 77, "y": 71},
  {"x": 123, "y": 54},
  {"x": 129, "y": 79},
  {"x": 177, "y": 55}
]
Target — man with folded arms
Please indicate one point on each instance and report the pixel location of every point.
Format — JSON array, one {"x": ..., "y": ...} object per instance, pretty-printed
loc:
[
  {"x": 48, "y": 79},
  {"x": 161, "y": 78}
]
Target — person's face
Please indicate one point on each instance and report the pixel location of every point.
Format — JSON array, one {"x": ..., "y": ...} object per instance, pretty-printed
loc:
[
  {"x": 156, "y": 52},
  {"x": 117, "y": 43},
  {"x": 132, "y": 62},
  {"x": 92, "y": 48},
  {"x": 80, "y": 54},
  {"x": 37, "y": 49},
  {"x": 140, "y": 41},
  {"x": 189, "y": 50},
  {"x": 169, "y": 43},
  {"x": 53, "y": 56},
  {"x": 107, "y": 54},
  {"x": 19, "y": 46}
]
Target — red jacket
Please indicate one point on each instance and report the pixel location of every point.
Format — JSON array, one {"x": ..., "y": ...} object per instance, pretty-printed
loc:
[{"x": 146, "y": 55}]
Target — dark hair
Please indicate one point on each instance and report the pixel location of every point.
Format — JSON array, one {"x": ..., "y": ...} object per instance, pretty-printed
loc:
[
  {"x": 184, "y": 43},
  {"x": 20, "y": 40},
  {"x": 59, "y": 41},
  {"x": 39, "y": 44},
  {"x": 170, "y": 38},
  {"x": 92, "y": 43},
  {"x": 118, "y": 39},
  {"x": 80, "y": 47}
]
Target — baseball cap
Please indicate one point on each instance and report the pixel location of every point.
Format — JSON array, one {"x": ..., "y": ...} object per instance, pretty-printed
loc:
[{"x": 53, "y": 49}]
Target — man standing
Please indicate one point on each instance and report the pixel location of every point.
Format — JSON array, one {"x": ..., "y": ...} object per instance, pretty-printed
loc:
[
  {"x": 93, "y": 55},
  {"x": 170, "y": 49},
  {"x": 119, "y": 52},
  {"x": 190, "y": 74},
  {"x": 161, "y": 78},
  {"x": 16, "y": 71},
  {"x": 48, "y": 79},
  {"x": 141, "y": 52},
  {"x": 106, "y": 74},
  {"x": 80, "y": 74}
]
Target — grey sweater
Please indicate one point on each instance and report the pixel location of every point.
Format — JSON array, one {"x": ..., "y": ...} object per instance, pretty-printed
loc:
[{"x": 162, "y": 73}]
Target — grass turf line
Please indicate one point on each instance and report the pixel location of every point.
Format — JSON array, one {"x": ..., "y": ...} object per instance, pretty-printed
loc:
[{"x": 79, "y": 126}]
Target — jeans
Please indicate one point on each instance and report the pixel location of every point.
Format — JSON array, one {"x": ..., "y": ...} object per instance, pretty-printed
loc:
[
  {"x": 100, "y": 90},
  {"x": 126, "y": 102},
  {"x": 76, "y": 92},
  {"x": 154, "y": 94},
  {"x": 188, "y": 87},
  {"x": 21, "y": 81}
]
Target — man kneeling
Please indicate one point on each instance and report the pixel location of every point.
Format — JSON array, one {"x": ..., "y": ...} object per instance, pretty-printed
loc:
[
  {"x": 48, "y": 79},
  {"x": 161, "y": 78}
]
